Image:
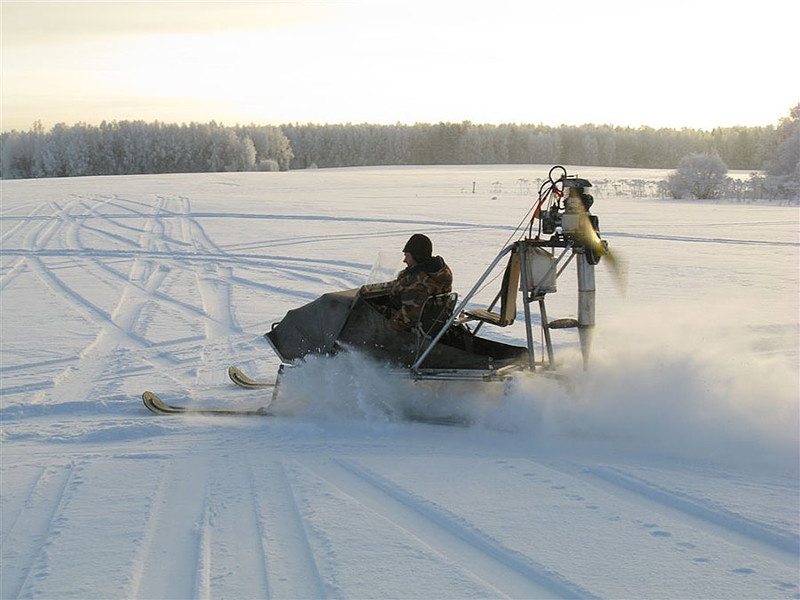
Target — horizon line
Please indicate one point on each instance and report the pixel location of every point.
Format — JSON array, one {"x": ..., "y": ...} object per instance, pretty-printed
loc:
[{"x": 96, "y": 123}]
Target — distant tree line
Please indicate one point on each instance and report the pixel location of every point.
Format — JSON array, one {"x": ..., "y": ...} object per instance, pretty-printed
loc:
[
  {"x": 136, "y": 147},
  {"x": 467, "y": 143},
  {"x": 132, "y": 147}
]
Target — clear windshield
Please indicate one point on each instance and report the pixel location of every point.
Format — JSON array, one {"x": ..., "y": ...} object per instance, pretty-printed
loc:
[{"x": 386, "y": 267}]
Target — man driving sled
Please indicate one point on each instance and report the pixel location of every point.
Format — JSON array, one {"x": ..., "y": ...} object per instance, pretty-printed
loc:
[{"x": 426, "y": 275}]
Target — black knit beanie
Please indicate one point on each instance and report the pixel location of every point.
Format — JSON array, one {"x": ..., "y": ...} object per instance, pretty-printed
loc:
[{"x": 420, "y": 247}]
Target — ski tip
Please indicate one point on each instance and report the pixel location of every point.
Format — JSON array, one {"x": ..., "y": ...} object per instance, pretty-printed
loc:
[
  {"x": 148, "y": 400},
  {"x": 239, "y": 378},
  {"x": 157, "y": 405}
]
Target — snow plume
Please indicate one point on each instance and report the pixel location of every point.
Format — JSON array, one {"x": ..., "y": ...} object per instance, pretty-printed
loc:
[
  {"x": 696, "y": 392},
  {"x": 345, "y": 386},
  {"x": 682, "y": 387},
  {"x": 353, "y": 386}
]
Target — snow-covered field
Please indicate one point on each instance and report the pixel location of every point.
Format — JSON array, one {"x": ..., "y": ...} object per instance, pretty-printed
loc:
[{"x": 669, "y": 470}]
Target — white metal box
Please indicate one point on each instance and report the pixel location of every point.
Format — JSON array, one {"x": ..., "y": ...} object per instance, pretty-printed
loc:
[{"x": 540, "y": 268}]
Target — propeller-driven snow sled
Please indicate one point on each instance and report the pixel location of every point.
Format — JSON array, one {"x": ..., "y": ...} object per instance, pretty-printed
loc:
[{"x": 444, "y": 344}]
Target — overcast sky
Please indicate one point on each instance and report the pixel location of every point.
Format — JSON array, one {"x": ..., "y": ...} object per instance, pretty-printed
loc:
[{"x": 680, "y": 63}]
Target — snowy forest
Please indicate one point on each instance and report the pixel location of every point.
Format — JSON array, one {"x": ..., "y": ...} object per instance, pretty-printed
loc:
[
  {"x": 137, "y": 147},
  {"x": 468, "y": 143}
]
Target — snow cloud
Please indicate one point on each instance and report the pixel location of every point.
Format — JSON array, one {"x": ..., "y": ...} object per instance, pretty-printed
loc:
[{"x": 672, "y": 390}]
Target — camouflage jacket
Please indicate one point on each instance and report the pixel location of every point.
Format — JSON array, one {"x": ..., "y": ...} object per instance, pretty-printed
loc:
[{"x": 414, "y": 285}]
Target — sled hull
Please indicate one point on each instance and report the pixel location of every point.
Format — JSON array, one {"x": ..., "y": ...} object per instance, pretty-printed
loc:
[
  {"x": 313, "y": 328},
  {"x": 345, "y": 321}
]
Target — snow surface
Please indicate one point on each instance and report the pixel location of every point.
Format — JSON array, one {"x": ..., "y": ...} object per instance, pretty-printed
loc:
[{"x": 669, "y": 470}]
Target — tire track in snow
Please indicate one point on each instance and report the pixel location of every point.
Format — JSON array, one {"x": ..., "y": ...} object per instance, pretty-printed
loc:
[
  {"x": 108, "y": 219},
  {"x": 117, "y": 327},
  {"x": 291, "y": 566},
  {"x": 78, "y": 379},
  {"x": 509, "y": 572},
  {"x": 66, "y": 225},
  {"x": 12, "y": 505},
  {"x": 171, "y": 562},
  {"x": 24, "y": 543},
  {"x": 140, "y": 562},
  {"x": 147, "y": 274},
  {"x": 25, "y": 221},
  {"x": 11, "y": 272},
  {"x": 214, "y": 287},
  {"x": 409, "y": 224},
  {"x": 232, "y": 558},
  {"x": 737, "y": 529},
  {"x": 35, "y": 240},
  {"x": 257, "y": 261},
  {"x": 697, "y": 240},
  {"x": 83, "y": 305},
  {"x": 345, "y": 237},
  {"x": 202, "y": 586},
  {"x": 144, "y": 277},
  {"x": 6, "y": 212},
  {"x": 213, "y": 282},
  {"x": 81, "y": 220}
]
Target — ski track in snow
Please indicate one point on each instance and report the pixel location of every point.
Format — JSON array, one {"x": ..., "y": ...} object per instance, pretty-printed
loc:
[
  {"x": 292, "y": 570},
  {"x": 505, "y": 572},
  {"x": 149, "y": 246},
  {"x": 161, "y": 288},
  {"x": 31, "y": 528},
  {"x": 781, "y": 544},
  {"x": 232, "y": 524}
]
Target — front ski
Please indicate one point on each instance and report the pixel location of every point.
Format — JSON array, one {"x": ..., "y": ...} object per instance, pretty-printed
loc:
[
  {"x": 159, "y": 407},
  {"x": 244, "y": 381}
]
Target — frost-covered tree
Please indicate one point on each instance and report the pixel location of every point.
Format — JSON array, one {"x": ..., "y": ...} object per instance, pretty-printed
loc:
[
  {"x": 280, "y": 149},
  {"x": 590, "y": 150},
  {"x": 77, "y": 152},
  {"x": 247, "y": 154},
  {"x": 783, "y": 167},
  {"x": 45, "y": 158},
  {"x": 700, "y": 176},
  {"x": 16, "y": 155}
]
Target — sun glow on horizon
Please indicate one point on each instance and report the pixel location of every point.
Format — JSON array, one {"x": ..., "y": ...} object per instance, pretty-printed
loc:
[{"x": 383, "y": 62}]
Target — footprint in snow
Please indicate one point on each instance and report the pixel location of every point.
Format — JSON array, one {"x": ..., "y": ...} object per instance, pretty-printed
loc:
[
  {"x": 661, "y": 534},
  {"x": 785, "y": 586}
]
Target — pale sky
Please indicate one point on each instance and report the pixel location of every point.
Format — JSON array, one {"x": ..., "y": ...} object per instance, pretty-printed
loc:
[{"x": 681, "y": 63}]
